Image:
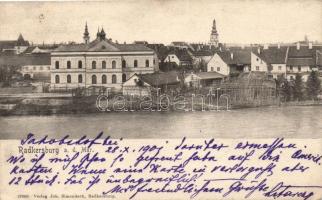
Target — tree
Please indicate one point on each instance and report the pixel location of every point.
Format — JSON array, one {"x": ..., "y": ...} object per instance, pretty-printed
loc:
[
  {"x": 313, "y": 85},
  {"x": 298, "y": 87},
  {"x": 200, "y": 66},
  {"x": 278, "y": 81},
  {"x": 6, "y": 73},
  {"x": 286, "y": 90}
]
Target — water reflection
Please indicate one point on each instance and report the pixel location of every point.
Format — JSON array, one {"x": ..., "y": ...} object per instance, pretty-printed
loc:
[{"x": 298, "y": 122}]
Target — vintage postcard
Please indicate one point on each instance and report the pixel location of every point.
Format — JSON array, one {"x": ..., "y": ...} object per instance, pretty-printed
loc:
[{"x": 152, "y": 99}]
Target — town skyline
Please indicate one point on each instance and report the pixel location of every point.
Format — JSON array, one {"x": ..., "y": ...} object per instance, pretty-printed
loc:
[{"x": 163, "y": 22}]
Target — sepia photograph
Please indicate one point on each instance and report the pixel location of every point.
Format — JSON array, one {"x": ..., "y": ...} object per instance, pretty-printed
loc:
[{"x": 153, "y": 99}]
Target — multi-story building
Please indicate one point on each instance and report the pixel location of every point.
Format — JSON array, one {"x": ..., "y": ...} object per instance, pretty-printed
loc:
[
  {"x": 276, "y": 56},
  {"x": 230, "y": 61},
  {"x": 99, "y": 63},
  {"x": 36, "y": 67},
  {"x": 301, "y": 60}
]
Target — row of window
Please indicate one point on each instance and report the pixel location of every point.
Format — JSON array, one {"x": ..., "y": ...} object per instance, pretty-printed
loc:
[
  {"x": 93, "y": 79},
  {"x": 212, "y": 69},
  {"x": 35, "y": 68},
  {"x": 103, "y": 64},
  {"x": 299, "y": 68},
  {"x": 257, "y": 68}
]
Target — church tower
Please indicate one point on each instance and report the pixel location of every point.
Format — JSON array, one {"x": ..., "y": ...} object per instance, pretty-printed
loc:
[
  {"x": 214, "y": 35},
  {"x": 103, "y": 34},
  {"x": 86, "y": 35}
]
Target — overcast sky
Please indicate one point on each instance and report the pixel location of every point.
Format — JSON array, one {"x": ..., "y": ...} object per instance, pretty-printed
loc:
[{"x": 164, "y": 21}]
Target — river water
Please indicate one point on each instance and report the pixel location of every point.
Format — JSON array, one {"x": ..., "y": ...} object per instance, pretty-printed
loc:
[{"x": 294, "y": 122}]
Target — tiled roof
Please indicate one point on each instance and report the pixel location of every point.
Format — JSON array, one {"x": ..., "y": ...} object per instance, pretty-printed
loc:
[
  {"x": 275, "y": 55},
  {"x": 71, "y": 48},
  {"x": 301, "y": 61},
  {"x": 302, "y": 56},
  {"x": 132, "y": 47},
  {"x": 182, "y": 55},
  {"x": 29, "y": 49},
  {"x": 22, "y": 60},
  {"x": 7, "y": 44},
  {"x": 304, "y": 51},
  {"x": 40, "y": 49},
  {"x": 102, "y": 45},
  {"x": 157, "y": 79},
  {"x": 209, "y": 75},
  {"x": 240, "y": 57}
]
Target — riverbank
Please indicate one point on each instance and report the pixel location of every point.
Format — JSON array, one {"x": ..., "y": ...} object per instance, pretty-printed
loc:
[{"x": 87, "y": 105}]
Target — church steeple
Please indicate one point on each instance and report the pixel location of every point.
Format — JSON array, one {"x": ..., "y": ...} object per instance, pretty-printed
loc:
[
  {"x": 214, "y": 35},
  {"x": 103, "y": 35},
  {"x": 98, "y": 34},
  {"x": 86, "y": 35}
]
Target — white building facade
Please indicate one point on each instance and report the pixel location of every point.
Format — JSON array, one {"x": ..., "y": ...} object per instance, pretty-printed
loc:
[{"x": 99, "y": 63}]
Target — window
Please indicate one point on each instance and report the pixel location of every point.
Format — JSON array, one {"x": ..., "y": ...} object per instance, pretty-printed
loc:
[
  {"x": 94, "y": 65},
  {"x": 68, "y": 65},
  {"x": 104, "y": 64},
  {"x": 57, "y": 64},
  {"x": 279, "y": 67},
  {"x": 34, "y": 68},
  {"x": 80, "y": 64},
  {"x": 257, "y": 59},
  {"x": 299, "y": 68},
  {"x": 113, "y": 78},
  {"x": 135, "y": 63},
  {"x": 56, "y": 79},
  {"x": 257, "y": 68},
  {"x": 153, "y": 61},
  {"x": 80, "y": 78},
  {"x": 212, "y": 69},
  {"x": 147, "y": 63},
  {"x": 94, "y": 79},
  {"x": 291, "y": 68},
  {"x": 291, "y": 77},
  {"x": 113, "y": 64},
  {"x": 218, "y": 69},
  {"x": 41, "y": 68},
  {"x": 104, "y": 79},
  {"x": 69, "y": 79},
  {"x": 123, "y": 63},
  {"x": 123, "y": 78},
  {"x": 48, "y": 68}
]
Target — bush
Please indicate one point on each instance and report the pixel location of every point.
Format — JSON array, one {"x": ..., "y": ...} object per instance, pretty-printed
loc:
[{"x": 313, "y": 85}]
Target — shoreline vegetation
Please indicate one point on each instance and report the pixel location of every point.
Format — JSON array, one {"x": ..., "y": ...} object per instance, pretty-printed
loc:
[
  {"x": 87, "y": 105},
  {"x": 245, "y": 90}
]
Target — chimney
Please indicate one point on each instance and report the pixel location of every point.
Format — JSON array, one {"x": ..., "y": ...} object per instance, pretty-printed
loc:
[
  {"x": 265, "y": 46},
  {"x": 310, "y": 45},
  {"x": 231, "y": 55},
  {"x": 259, "y": 50},
  {"x": 220, "y": 49},
  {"x": 298, "y": 46},
  {"x": 278, "y": 45}
]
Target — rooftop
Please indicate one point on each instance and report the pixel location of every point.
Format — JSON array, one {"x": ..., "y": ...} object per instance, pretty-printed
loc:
[{"x": 102, "y": 45}]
